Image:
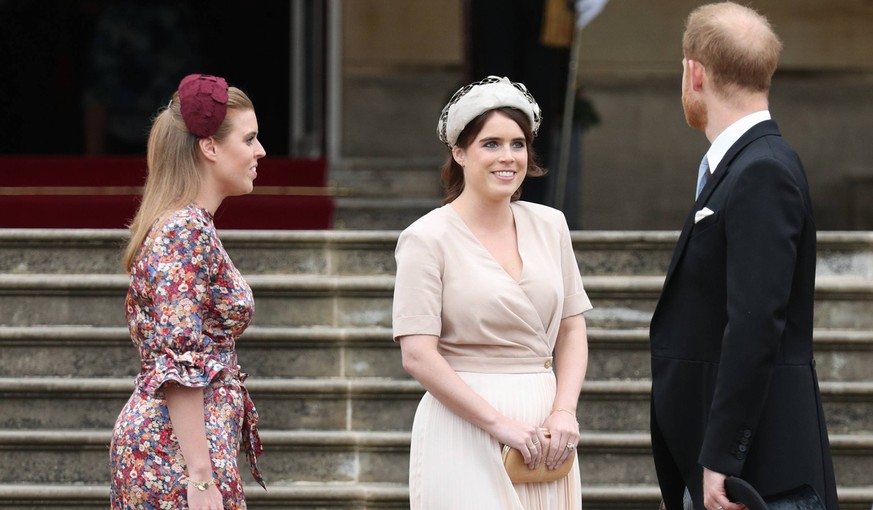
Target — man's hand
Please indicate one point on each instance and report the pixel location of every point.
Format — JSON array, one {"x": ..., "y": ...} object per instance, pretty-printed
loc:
[{"x": 714, "y": 496}]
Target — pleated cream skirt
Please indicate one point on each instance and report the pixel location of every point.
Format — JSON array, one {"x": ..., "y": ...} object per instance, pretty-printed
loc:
[{"x": 455, "y": 465}]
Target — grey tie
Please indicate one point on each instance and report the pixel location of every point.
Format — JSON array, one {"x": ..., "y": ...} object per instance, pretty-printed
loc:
[{"x": 702, "y": 176}]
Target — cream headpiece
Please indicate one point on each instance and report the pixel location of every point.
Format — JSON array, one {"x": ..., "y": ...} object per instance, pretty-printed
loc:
[{"x": 477, "y": 98}]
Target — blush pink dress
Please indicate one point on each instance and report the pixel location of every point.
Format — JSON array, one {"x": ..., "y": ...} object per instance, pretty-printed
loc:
[{"x": 498, "y": 334}]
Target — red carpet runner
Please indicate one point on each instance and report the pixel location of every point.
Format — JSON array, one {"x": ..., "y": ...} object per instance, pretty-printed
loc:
[{"x": 83, "y": 192}]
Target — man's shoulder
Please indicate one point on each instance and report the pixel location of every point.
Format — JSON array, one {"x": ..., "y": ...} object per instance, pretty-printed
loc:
[
  {"x": 769, "y": 147},
  {"x": 764, "y": 141}
]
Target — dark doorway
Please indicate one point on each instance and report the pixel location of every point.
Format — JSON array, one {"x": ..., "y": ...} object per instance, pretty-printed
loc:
[{"x": 63, "y": 59}]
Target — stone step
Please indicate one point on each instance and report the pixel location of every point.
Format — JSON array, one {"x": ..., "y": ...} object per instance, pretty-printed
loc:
[
  {"x": 81, "y": 456},
  {"x": 383, "y": 213},
  {"x": 360, "y": 404},
  {"x": 267, "y": 352},
  {"x": 338, "y": 496},
  {"x": 98, "y": 251},
  {"x": 310, "y": 496},
  {"x": 298, "y": 404},
  {"x": 840, "y": 354},
  {"x": 341, "y": 496},
  {"x": 323, "y": 300},
  {"x": 283, "y": 300},
  {"x": 388, "y": 176},
  {"x": 337, "y": 252},
  {"x": 87, "y": 351}
]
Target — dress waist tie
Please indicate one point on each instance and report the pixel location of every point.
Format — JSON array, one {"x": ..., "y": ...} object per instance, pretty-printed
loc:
[
  {"x": 202, "y": 362},
  {"x": 250, "y": 437}
]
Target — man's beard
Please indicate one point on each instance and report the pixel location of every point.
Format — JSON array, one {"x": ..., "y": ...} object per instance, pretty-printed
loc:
[{"x": 695, "y": 112}]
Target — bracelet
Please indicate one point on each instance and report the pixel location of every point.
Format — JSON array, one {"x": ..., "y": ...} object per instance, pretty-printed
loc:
[
  {"x": 202, "y": 486},
  {"x": 561, "y": 410}
]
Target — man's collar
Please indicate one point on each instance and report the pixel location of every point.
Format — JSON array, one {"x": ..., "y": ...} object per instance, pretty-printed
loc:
[{"x": 730, "y": 135}]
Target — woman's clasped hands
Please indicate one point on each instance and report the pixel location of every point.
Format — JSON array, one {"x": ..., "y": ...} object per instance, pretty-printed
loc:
[
  {"x": 526, "y": 438},
  {"x": 531, "y": 440}
]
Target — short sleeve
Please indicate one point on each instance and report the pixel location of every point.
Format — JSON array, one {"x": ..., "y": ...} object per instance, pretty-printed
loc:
[
  {"x": 575, "y": 298},
  {"x": 418, "y": 286},
  {"x": 180, "y": 267}
]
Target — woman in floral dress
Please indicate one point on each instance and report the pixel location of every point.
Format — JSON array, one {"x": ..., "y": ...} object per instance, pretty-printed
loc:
[{"x": 176, "y": 442}]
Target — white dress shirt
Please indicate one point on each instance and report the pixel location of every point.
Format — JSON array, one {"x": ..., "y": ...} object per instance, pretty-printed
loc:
[{"x": 729, "y": 136}]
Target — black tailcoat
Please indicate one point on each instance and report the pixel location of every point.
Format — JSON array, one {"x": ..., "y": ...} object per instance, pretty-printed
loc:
[{"x": 734, "y": 387}]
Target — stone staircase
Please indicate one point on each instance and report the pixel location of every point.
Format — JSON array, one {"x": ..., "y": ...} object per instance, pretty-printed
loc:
[
  {"x": 384, "y": 193},
  {"x": 336, "y": 407}
]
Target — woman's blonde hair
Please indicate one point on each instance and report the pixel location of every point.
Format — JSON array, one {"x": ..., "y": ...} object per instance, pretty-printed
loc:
[{"x": 173, "y": 179}]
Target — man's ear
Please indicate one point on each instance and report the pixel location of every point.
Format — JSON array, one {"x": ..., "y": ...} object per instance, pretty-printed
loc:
[
  {"x": 208, "y": 148},
  {"x": 459, "y": 155},
  {"x": 697, "y": 72}
]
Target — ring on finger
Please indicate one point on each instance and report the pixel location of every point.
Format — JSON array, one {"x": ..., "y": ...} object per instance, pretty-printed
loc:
[{"x": 570, "y": 445}]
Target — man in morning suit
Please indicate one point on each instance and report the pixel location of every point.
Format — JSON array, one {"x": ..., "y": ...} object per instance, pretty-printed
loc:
[{"x": 734, "y": 389}]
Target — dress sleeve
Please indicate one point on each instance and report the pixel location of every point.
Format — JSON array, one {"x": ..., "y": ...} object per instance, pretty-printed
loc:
[
  {"x": 181, "y": 267},
  {"x": 575, "y": 298},
  {"x": 418, "y": 287}
]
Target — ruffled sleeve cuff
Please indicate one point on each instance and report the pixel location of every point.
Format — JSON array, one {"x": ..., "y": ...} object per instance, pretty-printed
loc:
[{"x": 192, "y": 369}]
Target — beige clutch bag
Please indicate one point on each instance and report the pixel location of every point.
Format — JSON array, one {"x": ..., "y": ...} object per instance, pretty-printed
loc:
[{"x": 519, "y": 472}]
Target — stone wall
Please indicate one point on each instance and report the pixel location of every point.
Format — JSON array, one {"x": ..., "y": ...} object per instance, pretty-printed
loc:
[
  {"x": 633, "y": 36},
  {"x": 403, "y": 59},
  {"x": 640, "y": 163},
  {"x": 644, "y": 153}
]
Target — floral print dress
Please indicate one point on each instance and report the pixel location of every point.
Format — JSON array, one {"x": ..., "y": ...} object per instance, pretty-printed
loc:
[{"x": 186, "y": 306}]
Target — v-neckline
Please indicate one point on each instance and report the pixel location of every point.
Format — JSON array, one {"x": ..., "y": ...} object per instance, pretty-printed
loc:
[{"x": 488, "y": 252}]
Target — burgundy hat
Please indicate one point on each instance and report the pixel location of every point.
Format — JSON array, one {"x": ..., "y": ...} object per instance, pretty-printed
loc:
[{"x": 203, "y": 103}]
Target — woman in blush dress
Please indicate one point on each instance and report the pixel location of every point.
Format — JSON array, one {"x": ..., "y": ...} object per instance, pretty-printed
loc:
[
  {"x": 176, "y": 442},
  {"x": 487, "y": 290}
]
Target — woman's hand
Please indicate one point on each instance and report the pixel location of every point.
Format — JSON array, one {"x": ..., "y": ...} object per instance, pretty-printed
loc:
[
  {"x": 564, "y": 429},
  {"x": 209, "y": 499},
  {"x": 530, "y": 440}
]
